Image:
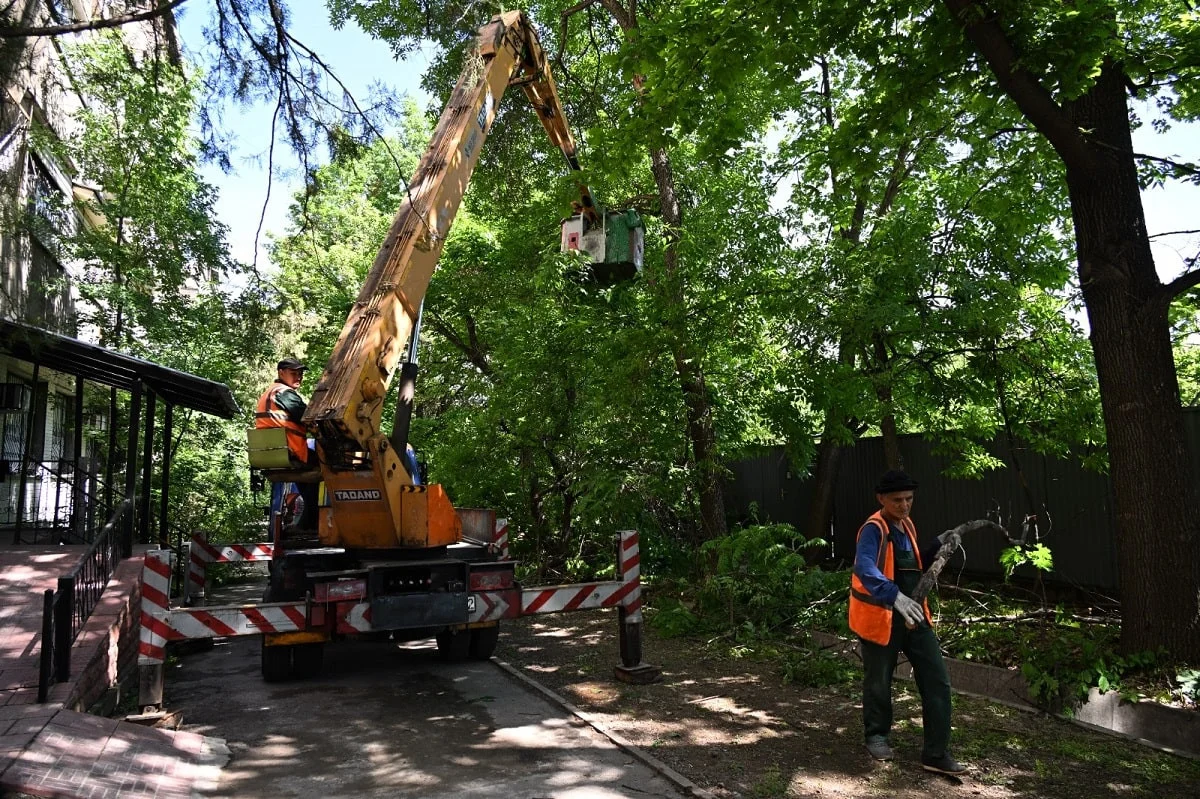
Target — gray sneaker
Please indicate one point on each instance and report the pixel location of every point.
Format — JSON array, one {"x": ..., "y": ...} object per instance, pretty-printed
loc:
[
  {"x": 943, "y": 765},
  {"x": 879, "y": 749}
]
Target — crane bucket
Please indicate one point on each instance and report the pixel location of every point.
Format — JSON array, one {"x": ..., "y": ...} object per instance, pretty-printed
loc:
[{"x": 614, "y": 247}]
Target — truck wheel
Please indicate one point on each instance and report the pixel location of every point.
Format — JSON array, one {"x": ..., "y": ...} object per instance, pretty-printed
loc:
[
  {"x": 483, "y": 641},
  {"x": 454, "y": 646},
  {"x": 306, "y": 660},
  {"x": 276, "y": 663}
]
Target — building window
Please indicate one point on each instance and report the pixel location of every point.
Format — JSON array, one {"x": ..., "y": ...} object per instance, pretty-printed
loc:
[{"x": 51, "y": 217}]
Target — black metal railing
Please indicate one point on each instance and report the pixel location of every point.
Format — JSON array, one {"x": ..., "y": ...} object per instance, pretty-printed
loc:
[
  {"x": 65, "y": 610},
  {"x": 58, "y": 505}
]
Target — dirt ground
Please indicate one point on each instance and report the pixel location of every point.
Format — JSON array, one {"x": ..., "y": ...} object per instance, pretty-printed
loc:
[{"x": 732, "y": 726}]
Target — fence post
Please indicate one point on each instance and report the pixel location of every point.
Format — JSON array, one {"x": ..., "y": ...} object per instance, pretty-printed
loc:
[
  {"x": 64, "y": 628},
  {"x": 45, "y": 666},
  {"x": 131, "y": 472},
  {"x": 629, "y": 614}
]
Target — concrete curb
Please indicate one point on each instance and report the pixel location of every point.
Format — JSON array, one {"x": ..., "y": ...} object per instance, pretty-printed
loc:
[
  {"x": 1169, "y": 729},
  {"x": 670, "y": 774}
]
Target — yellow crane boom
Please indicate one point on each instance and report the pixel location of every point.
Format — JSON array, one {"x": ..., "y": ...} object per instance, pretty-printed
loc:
[{"x": 373, "y": 501}]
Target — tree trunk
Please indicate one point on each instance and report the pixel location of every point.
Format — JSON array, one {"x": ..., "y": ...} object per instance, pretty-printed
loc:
[
  {"x": 1154, "y": 499},
  {"x": 688, "y": 371},
  {"x": 825, "y": 472}
]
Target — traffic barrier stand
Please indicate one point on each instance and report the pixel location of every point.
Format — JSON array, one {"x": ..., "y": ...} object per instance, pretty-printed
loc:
[
  {"x": 201, "y": 553},
  {"x": 343, "y": 607},
  {"x": 500, "y": 539}
]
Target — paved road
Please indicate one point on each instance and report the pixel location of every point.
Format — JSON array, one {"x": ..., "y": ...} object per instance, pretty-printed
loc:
[{"x": 393, "y": 720}]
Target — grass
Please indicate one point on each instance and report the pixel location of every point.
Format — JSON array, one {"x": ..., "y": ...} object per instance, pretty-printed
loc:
[{"x": 772, "y": 783}]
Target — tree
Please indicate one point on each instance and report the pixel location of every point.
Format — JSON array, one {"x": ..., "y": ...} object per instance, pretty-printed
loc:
[
  {"x": 1070, "y": 74},
  {"x": 404, "y": 23},
  {"x": 1067, "y": 70},
  {"x": 153, "y": 259}
]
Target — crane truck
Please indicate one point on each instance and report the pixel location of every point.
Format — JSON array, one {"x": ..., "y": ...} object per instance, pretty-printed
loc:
[{"x": 397, "y": 547}]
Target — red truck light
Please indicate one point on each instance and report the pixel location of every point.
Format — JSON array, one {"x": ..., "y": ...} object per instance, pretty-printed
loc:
[
  {"x": 491, "y": 579},
  {"x": 340, "y": 591}
]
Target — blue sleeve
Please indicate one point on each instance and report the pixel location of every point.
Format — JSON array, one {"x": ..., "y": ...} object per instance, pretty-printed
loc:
[{"x": 879, "y": 586}]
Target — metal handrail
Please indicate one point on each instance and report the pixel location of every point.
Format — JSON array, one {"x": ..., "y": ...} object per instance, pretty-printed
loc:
[{"x": 66, "y": 609}]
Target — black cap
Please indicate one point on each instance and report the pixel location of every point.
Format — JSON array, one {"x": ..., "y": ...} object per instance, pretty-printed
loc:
[
  {"x": 895, "y": 480},
  {"x": 291, "y": 363}
]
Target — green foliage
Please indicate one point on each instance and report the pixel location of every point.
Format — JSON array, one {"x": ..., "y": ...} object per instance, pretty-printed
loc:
[
  {"x": 155, "y": 232},
  {"x": 671, "y": 618},
  {"x": 755, "y": 585},
  {"x": 755, "y": 576},
  {"x": 815, "y": 667},
  {"x": 1189, "y": 686},
  {"x": 1060, "y": 670},
  {"x": 151, "y": 262},
  {"x": 1037, "y": 555}
]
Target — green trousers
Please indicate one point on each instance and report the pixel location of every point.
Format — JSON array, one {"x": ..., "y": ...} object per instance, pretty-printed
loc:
[{"x": 925, "y": 654}]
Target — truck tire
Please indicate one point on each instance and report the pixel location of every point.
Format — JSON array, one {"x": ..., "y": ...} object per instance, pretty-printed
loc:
[
  {"x": 276, "y": 663},
  {"x": 483, "y": 641},
  {"x": 454, "y": 646},
  {"x": 306, "y": 660}
]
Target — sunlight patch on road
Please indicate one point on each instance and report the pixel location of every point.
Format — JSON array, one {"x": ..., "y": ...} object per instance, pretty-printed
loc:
[{"x": 546, "y": 735}]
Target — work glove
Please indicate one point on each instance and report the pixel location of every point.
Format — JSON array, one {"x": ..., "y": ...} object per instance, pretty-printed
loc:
[
  {"x": 910, "y": 609},
  {"x": 952, "y": 537}
]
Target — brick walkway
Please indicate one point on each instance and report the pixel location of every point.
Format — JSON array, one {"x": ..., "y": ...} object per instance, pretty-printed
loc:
[{"x": 46, "y": 750}]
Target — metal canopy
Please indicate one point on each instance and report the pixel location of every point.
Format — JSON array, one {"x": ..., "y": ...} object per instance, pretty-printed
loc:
[{"x": 109, "y": 368}]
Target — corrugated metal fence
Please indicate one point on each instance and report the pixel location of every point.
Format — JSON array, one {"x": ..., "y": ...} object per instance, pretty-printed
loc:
[{"x": 1077, "y": 503}]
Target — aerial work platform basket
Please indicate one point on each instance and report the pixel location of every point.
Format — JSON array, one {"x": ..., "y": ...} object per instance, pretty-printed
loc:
[{"x": 615, "y": 246}]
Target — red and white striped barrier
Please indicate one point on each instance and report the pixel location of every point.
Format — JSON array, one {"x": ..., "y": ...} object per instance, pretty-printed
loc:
[
  {"x": 500, "y": 539},
  {"x": 161, "y": 623},
  {"x": 629, "y": 566},
  {"x": 201, "y": 553},
  {"x": 625, "y": 592}
]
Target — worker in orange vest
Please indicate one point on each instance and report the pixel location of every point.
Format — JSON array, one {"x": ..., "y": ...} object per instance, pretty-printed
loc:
[
  {"x": 888, "y": 621},
  {"x": 282, "y": 406}
]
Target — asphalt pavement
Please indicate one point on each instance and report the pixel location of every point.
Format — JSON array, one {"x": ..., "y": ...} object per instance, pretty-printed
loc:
[{"x": 391, "y": 720}]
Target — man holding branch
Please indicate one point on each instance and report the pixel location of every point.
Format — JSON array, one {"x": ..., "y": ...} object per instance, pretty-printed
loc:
[{"x": 890, "y": 616}]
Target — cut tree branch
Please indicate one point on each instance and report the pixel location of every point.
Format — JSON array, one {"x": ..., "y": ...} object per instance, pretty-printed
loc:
[{"x": 926, "y": 583}]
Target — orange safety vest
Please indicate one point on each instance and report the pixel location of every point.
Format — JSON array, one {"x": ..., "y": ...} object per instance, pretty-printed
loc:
[
  {"x": 269, "y": 414},
  {"x": 871, "y": 618}
]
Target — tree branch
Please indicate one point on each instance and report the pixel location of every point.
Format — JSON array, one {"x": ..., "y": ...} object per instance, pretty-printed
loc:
[
  {"x": 11, "y": 32},
  {"x": 562, "y": 23},
  {"x": 982, "y": 28},
  {"x": 1186, "y": 281},
  {"x": 1173, "y": 233}
]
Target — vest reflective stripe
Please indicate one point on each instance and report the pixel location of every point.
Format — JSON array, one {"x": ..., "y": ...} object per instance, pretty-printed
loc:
[
  {"x": 268, "y": 414},
  {"x": 870, "y": 618}
]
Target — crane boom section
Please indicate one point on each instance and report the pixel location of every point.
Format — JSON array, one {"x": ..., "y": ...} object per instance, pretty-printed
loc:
[{"x": 345, "y": 414}]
